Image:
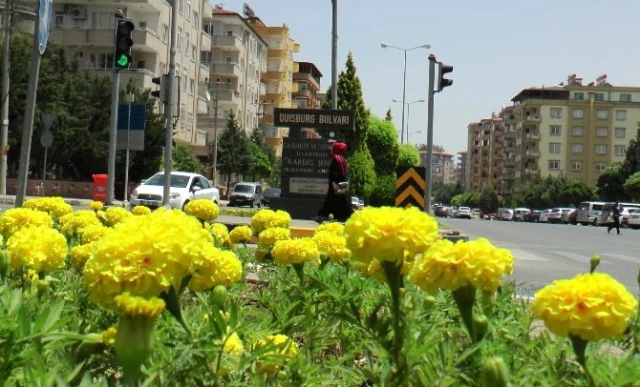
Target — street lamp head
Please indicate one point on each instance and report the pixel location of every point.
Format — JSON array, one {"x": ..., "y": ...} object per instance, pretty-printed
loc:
[
  {"x": 396, "y": 100},
  {"x": 384, "y": 45},
  {"x": 420, "y": 100},
  {"x": 427, "y": 46}
]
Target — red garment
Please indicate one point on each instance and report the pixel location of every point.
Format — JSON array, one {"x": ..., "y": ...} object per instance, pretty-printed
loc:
[{"x": 339, "y": 150}]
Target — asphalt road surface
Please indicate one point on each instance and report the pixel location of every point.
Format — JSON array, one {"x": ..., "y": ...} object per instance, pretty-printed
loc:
[{"x": 546, "y": 252}]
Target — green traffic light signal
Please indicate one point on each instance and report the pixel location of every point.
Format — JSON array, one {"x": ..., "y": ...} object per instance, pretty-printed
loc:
[{"x": 123, "y": 60}]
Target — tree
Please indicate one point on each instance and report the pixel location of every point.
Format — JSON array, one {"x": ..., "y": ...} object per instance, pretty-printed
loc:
[
  {"x": 382, "y": 142},
  {"x": 388, "y": 117},
  {"x": 444, "y": 193},
  {"x": 260, "y": 163},
  {"x": 610, "y": 184},
  {"x": 234, "y": 154},
  {"x": 276, "y": 171},
  {"x": 409, "y": 156},
  {"x": 575, "y": 192},
  {"x": 632, "y": 186},
  {"x": 350, "y": 98},
  {"x": 488, "y": 200},
  {"x": 184, "y": 159},
  {"x": 469, "y": 199},
  {"x": 631, "y": 162},
  {"x": 362, "y": 174}
]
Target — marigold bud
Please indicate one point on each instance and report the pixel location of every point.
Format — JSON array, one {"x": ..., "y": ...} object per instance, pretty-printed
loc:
[
  {"x": 5, "y": 261},
  {"x": 495, "y": 372},
  {"x": 428, "y": 302},
  {"x": 480, "y": 326},
  {"x": 218, "y": 295},
  {"x": 595, "y": 261}
]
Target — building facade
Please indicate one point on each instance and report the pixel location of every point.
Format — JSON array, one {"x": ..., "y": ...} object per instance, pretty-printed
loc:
[
  {"x": 236, "y": 58},
  {"x": 308, "y": 79},
  {"x": 277, "y": 77},
  {"x": 86, "y": 28},
  {"x": 484, "y": 153},
  {"x": 462, "y": 169},
  {"x": 443, "y": 166}
]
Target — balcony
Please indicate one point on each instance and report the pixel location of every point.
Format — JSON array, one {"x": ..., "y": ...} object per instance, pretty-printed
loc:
[
  {"x": 509, "y": 163},
  {"x": 226, "y": 69},
  {"x": 510, "y": 176},
  {"x": 531, "y": 170},
  {"x": 229, "y": 97},
  {"x": 304, "y": 93},
  {"x": 496, "y": 157},
  {"x": 532, "y": 118},
  {"x": 532, "y": 136},
  {"x": 227, "y": 43},
  {"x": 205, "y": 42},
  {"x": 146, "y": 40},
  {"x": 510, "y": 149},
  {"x": 140, "y": 5},
  {"x": 532, "y": 153}
]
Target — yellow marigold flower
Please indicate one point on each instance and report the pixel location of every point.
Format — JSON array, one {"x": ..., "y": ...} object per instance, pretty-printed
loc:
[
  {"x": 109, "y": 336},
  {"x": 240, "y": 234},
  {"x": 334, "y": 227},
  {"x": 115, "y": 215},
  {"x": 38, "y": 248},
  {"x": 203, "y": 209},
  {"x": 141, "y": 210},
  {"x": 73, "y": 223},
  {"x": 55, "y": 206},
  {"x": 296, "y": 251},
  {"x": 144, "y": 256},
  {"x": 265, "y": 218},
  {"x": 129, "y": 305},
  {"x": 389, "y": 233},
  {"x": 93, "y": 233},
  {"x": 80, "y": 254},
  {"x": 96, "y": 205},
  {"x": 450, "y": 266},
  {"x": 270, "y": 236},
  {"x": 591, "y": 306},
  {"x": 233, "y": 345},
  {"x": 279, "y": 348},
  {"x": 332, "y": 245},
  {"x": 15, "y": 219},
  {"x": 215, "y": 267},
  {"x": 220, "y": 234}
]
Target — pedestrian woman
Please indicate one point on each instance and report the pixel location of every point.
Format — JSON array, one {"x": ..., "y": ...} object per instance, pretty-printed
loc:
[
  {"x": 337, "y": 201},
  {"x": 615, "y": 214}
]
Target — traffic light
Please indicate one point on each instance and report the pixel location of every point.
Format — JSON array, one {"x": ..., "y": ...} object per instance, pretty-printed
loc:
[
  {"x": 162, "y": 93},
  {"x": 123, "y": 43},
  {"x": 442, "y": 81}
]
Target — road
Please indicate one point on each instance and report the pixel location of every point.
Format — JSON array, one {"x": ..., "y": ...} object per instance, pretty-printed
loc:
[{"x": 546, "y": 252}]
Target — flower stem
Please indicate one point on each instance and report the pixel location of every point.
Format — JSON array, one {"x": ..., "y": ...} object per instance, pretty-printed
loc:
[
  {"x": 579, "y": 348},
  {"x": 465, "y": 297},
  {"x": 394, "y": 279}
]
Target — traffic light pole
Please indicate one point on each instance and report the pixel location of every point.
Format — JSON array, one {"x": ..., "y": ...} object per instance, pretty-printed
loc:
[
  {"x": 4, "y": 112},
  {"x": 334, "y": 54},
  {"x": 169, "y": 107},
  {"x": 130, "y": 99},
  {"x": 113, "y": 136},
  {"x": 429, "y": 163}
]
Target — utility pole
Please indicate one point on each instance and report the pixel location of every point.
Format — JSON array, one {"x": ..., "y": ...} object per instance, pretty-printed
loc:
[
  {"x": 214, "y": 157},
  {"x": 113, "y": 129},
  {"x": 169, "y": 108},
  {"x": 334, "y": 54},
  {"x": 130, "y": 99},
  {"x": 4, "y": 111},
  {"x": 428, "y": 178}
]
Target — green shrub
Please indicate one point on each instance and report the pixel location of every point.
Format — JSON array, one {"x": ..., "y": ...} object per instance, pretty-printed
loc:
[
  {"x": 362, "y": 174},
  {"x": 384, "y": 191}
]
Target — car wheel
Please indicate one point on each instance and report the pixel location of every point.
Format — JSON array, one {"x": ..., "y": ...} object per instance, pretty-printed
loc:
[
  {"x": 251, "y": 205},
  {"x": 595, "y": 222},
  {"x": 185, "y": 204},
  {"x": 231, "y": 204}
]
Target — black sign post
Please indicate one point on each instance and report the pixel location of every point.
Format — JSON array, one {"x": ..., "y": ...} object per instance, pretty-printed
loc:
[{"x": 305, "y": 161}]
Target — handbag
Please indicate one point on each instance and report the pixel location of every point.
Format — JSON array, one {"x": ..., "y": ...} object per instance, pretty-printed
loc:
[{"x": 343, "y": 188}]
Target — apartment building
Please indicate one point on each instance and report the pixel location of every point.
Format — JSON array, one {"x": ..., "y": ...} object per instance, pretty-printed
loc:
[
  {"x": 308, "y": 79},
  {"x": 462, "y": 168},
  {"x": 484, "y": 152},
  {"x": 507, "y": 150},
  {"x": 574, "y": 130},
  {"x": 277, "y": 77},
  {"x": 86, "y": 28},
  {"x": 443, "y": 165},
  {"x": 234, "y": 61}
]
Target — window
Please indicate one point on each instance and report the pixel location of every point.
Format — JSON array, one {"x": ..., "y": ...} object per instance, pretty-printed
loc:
[
  {"x": 180, "y": 6},
  {"x": 601, "y": 149},
  {"x": 184, "y": 80},
  {"x": 576, "y": 165},
  {"x": 554, "y": 165},
  {"x": 554, "y": 147},
  {"x": 192, "y": 86},
  {"x": 621, "y": 132},
  {"x": 193, "y": 53},
  {"x": 576, "y": 148},
  {"x": 196, "y": 19},
  {"x": 621, "y": 115},
  {"x": 179, "y": 39},
  {"x": 579, "y": 96},
  {"x": 186, "y": 42},
  {"x": 188, "y": 12},
  {"x": 103, "y": 20},
  {"x": 578, "y": 131},
  {"x": 578, "y": 113},
  {"x": 601, "y": 132},
  {"x": 601, "y": 167},
  {"x": 556, "y": 113},
  {"x": 602, "y": 114},
  {"x": 625, "y": 97},
  {"x": 598, "y": 97},
  {"x": 554, "y": 130},
  {"x": 619, "y": 150},
  {"x": 59, "y": 23},
  {"x": 163, "y": 32}
]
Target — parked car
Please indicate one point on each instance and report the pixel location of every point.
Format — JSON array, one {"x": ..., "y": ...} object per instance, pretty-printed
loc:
[
  {"x": 605, "y": 217},
  {"x": 355, "y": 203},
  {"x": 476, "y": 212},
  {"x": 269, "y": 194},
  {"x": 555, "y": 216},
  {"x": 184, "y": 187},
  {"x": 441, "y": 211},
  {"x": 507, "y": 214},
  {"x": 520, "y": 213},
  {"x": 246, "y": 193},
  {"x": 569, "y": 217},
  {"x": 464, "y": 212},
  {"x": 533, "y": 216},
  {"x": 544, "y": 216},
  {"x": 634, "y": 218},
  {"x": 361, "y": 203}
]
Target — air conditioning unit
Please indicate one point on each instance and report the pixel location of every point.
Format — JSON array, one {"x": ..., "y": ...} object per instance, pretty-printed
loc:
[
  {"x": 142, "y": 25},
  {"x": 68, "y": 8},
  {"x": 80, "y": 13}
]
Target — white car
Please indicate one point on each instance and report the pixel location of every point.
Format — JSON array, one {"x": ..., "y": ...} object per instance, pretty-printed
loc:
[
  {"x": 464, "y": 212},
  {"x": 185, "y": 186},
  {"x": 634, "y": 218}
]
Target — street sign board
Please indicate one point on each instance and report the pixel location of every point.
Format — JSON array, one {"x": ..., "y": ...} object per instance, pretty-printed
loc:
[
  {"x": 314, "y": 118},
  {"x": 134, "y": 133},
  {"x": 46, "y": 139},
  {"x": 305, "y": 167},
  {"x": 44, "y": 24},
  {"x": 47, "y": 120}
]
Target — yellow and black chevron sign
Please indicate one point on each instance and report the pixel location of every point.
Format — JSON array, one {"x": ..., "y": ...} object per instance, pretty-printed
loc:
[{"x": 410, "y": 187}]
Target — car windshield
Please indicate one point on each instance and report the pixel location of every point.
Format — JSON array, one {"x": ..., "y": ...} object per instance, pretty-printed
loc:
[
  {"x": 177, "y": 181},
  {"x": 465, "y": 209},
  {"x": 244, "y": 188}
]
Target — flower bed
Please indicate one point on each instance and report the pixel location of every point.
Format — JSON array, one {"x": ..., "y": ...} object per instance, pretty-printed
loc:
[{"x": 113, "y": 298}]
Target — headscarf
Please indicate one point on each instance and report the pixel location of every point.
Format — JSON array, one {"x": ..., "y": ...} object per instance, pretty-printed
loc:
[{"x": 339, "y": 150}]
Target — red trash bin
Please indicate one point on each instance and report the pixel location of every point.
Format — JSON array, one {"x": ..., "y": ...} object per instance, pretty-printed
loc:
[{"x": 100, "y": 188}]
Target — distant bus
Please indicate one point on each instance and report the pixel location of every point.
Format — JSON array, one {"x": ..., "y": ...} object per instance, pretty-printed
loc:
[{"x": 589, "y": 213}]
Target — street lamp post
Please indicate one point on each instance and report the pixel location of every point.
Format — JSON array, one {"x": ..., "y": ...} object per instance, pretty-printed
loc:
[
  {"x": 410, "y": 133},
  {"x": 214, "y": 161},
  {"x": 404, "y": 76},
  {"x": 408, "y": 115}
]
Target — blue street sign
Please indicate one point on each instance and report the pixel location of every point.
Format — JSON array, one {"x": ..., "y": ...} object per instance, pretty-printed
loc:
[
  {"x": 44, "y": 23},
  {"x": 132, "y": 137}
]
